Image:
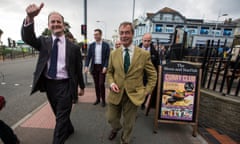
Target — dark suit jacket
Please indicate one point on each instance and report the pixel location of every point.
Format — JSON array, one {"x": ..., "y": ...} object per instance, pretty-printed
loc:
[
  {"x": 154, "y": 58},
  {"x": 44, "y": 46},
  {"x": 91, "y": 55}
]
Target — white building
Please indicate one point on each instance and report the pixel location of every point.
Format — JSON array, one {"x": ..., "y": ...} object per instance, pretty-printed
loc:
[{"x": 163, "y": 23}]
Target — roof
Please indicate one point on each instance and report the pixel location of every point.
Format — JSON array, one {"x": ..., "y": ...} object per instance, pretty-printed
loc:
[{"x": 165, "y": 10}]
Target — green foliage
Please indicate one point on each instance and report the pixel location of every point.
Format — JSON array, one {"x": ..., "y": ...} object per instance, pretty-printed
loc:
[{"x": 46, "y": 32}]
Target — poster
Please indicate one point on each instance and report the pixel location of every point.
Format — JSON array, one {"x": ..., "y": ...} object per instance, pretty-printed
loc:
[
  {"x": 178, "y": 93},
  {"x": 179, "y": 36}
]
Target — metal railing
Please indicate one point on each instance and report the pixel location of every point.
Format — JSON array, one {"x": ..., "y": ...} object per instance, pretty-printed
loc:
[
  {"x": 13, "y": 53},
  {"x": 219, "y": 72}
]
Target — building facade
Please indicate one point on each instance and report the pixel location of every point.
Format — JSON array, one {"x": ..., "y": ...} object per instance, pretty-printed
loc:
[{"x": 163, "y": 23}]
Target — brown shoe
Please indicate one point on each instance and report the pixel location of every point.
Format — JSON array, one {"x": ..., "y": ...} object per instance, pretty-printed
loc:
[{"x": 112, "y": 135}]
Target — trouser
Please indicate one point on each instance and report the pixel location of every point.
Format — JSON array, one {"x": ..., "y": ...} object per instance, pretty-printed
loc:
[
  {"x": 6, "y": 134},
  {"x": 60, "y": 100},
  {"x": 99, "y": 82},
  {"x": 129, "y": 112}
]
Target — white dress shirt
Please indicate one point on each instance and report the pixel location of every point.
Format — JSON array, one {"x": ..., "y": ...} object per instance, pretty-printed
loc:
[{"x": 98, "y": 53}]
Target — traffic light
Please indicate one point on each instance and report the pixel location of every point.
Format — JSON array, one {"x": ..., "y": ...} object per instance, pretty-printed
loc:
[{"x": 83, "y": 29}]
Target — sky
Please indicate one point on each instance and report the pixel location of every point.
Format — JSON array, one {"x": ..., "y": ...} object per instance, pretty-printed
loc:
[{"x": 109, "y": 13}]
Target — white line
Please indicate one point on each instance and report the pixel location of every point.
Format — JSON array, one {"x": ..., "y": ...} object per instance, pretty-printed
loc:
[
  {"x": 28, "y": 116},
  {"x": 3, "y": 83}
]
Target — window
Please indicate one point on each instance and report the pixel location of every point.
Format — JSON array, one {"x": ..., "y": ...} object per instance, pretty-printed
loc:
[
  {"x": 158, "y": 28},
  {"x": 167, "y": 17},
  {"x": 217, "y": 32},
  {"x": 178, "y": 19},
  {"x": 227, "y": 32},
  {"x": 193, "y": 30},
  {"x": 204, "y": 30},
  {"x": 169, "y": 29}
]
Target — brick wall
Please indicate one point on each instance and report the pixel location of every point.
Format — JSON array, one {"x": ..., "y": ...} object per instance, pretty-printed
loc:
[{"x": 220, "y": 112}]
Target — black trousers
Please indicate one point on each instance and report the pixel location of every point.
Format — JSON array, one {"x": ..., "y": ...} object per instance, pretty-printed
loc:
[
  {"x": 59, "y": 97},
  {"x": 6, "y": 134},
  {"x": 99, "y": 82}
]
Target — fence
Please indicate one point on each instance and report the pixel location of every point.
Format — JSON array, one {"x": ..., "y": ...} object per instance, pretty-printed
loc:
[
  {"x": 12, "y": 53},
  {"x": 220, "y": 73}
]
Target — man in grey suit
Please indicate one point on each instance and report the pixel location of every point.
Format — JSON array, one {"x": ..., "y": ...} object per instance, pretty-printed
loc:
[{"x": 58, "y": 70}]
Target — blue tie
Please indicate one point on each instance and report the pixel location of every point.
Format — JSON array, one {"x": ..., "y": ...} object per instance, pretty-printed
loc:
[{"x": 52, "y": 72}]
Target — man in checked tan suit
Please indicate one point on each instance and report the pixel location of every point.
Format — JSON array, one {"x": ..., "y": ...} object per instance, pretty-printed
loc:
[{"x": 125, "y": 77}]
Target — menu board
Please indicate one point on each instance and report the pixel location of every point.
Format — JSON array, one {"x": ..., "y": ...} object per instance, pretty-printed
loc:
[{"x": 178, "y": 92}]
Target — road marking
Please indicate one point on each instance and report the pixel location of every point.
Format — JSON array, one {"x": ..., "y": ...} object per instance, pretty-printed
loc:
[
  {"x": 16, "y": 84},
  {"x": 3, "y": 83}
]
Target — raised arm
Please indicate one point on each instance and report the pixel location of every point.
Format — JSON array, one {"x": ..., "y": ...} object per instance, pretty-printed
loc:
[{"x": 27, "y": 31}]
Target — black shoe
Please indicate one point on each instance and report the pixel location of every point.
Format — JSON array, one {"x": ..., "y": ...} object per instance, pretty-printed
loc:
[
  {"x": 96, "y": 102},
  {"x": 103, "y": 104},
  {"x": 70, "y": 132}
]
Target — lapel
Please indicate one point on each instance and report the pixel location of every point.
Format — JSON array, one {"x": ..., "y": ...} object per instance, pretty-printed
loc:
[
  {"x": 94, "y": 48},
  {"x": 67, "y": 54},
  {"x": 49, "y": 43},
  {"x": 136, "y": 54},
  {"x": 103, "y": 49},
  {"x": 119, "y": 58}
]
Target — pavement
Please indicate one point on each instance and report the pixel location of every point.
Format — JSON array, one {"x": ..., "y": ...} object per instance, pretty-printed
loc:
[{"x": 91, "y": 126}]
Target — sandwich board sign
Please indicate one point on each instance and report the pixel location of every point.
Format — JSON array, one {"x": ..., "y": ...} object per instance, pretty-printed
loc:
[{"x": 178, "y": 94}]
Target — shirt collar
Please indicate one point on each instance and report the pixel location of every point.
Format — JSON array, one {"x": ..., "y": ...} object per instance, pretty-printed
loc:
[
  {"x": 130, "y": 48},
  {"x": 99, "y": 43},
  {"x": 148, "y": 48},
  {"x": 61, "y": 38}
]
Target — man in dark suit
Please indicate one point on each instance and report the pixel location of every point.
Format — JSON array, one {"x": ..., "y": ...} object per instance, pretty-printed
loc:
[
  {"x": 58, "y": 70},
  {"x": 98, "y": 54},
  {"x": 148, "y": 46}
]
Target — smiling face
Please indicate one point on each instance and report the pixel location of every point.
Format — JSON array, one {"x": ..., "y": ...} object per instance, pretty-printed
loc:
[
  {"x": 56, "y": 24},
  {"x": 126, "y": 34}
]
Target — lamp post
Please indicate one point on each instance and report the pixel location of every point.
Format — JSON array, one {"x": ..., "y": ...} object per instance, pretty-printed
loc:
[
  {"x": 215, "y": 31},
  {"x": 105, "y": 28},
  {"x": 133, "y": 13}
]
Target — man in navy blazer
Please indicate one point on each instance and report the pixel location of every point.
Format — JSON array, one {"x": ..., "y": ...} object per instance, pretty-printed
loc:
[
  {"x": 98, "y": 54},
  {"x": 58, "y": 70}
]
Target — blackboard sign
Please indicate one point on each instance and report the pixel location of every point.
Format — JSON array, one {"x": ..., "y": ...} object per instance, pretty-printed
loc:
[{"x": 178, "y": 93}]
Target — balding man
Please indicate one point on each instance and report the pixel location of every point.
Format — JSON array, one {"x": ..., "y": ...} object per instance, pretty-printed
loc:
[{"x": 148, "y": 46}]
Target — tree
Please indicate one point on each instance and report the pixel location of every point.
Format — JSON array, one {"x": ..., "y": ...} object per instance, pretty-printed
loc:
[
  {"x": 46, "y": 32},
  {"x": 67, "y": 27},
  {"x": 1, "y": 32}
]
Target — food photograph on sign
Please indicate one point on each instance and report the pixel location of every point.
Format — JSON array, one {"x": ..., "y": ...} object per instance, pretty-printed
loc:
[{"x": 178, "y": 94}]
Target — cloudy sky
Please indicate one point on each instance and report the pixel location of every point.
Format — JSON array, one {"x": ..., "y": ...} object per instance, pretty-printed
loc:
[{"x": 109, "y": 12}]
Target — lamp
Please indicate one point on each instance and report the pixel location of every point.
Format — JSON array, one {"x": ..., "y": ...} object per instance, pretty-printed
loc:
[{"x": 105, "y": 28}]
